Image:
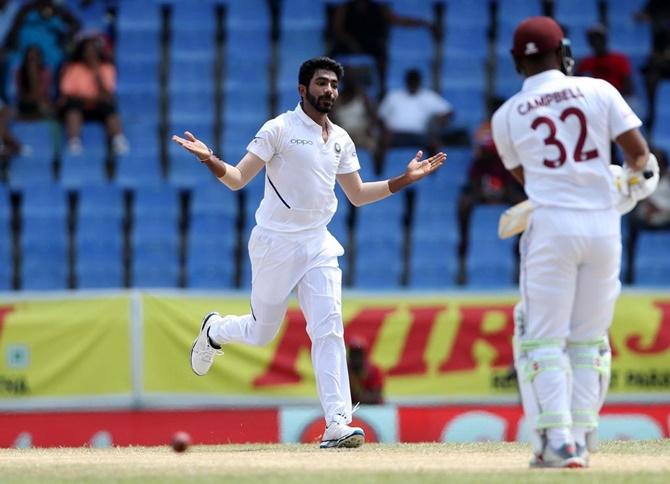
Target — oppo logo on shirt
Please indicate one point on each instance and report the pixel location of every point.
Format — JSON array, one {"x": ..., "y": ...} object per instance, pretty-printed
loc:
[{"x": 295, "y": 141}]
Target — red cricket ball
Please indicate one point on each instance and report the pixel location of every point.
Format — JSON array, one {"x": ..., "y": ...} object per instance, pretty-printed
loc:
[{"x": 180, "y": 441}]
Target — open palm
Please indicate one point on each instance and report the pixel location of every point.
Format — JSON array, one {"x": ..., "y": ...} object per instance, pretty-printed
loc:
[
  {"x": 417, "y": 168},
  {"x": 193, "y": 145}
]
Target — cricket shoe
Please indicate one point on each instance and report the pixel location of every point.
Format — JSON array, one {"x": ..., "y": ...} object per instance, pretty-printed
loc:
[
  {"x": 583, "y": 452},
  {"x": 204, "y": 349},
  {"x": 563, "y": 457},
  {"x": 339, "y": 435}
]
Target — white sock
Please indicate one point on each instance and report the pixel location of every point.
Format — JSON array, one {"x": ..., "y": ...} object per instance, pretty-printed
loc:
[
  {"x": 579, "y": 435},
  {"x": 558, "y": 437}
]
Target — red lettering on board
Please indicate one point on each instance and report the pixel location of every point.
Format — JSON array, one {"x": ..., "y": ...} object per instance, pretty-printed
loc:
[
  {"x": 412, "y": 360},
  {"x": 471, "y": 330},
  {"x": 661, "y": 341}
]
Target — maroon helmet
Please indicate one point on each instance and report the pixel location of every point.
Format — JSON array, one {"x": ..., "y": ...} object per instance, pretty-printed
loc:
[{"x": 538, "y": 35}]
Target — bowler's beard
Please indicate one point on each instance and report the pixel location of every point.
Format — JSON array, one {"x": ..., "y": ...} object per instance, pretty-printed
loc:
[{"x": 319, "y": 103}]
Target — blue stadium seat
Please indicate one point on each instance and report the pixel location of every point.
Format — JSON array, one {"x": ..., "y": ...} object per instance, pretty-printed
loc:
[
  {"x": 193, "y": 45},
  {"x": 5, "y": 240},
  {"x": 507, "y": 80},
  {"x": 143, "y": 136},
  {"x": 44, "y": 259},
  {"x": 155, "y": 266},
  {"x": 44, "y": 268},
  {"x": 5, "y": 207},
  {"x": 99, "y": 263},
  {"x": 28, "y": 170},
  {"x": 511, "y": 12},
  {"x": 156, "y": 201},
  {"x": 196, "y": 76},
  {"x": 466, "y": 15},
  {"x": 214, "y": 198},
  {"x": 38, "y": 137},
  {"x": 652, "y": 264},
  {"x": 43, "y": 201},
  {"x": 468, "y": 104},
  {"x": 191, "y": 107},
  {"x": 246, "y": 105},
  {"x": 247, "y": 52},
  {"x": 138, "y": 16},
  {"x": 463, "y": 70},
  {"x": 295, "y": 46},
  {"x": 83, "y": 169},
  {"x": 432, "y": 264},
  {"x": 303, "y": 14},
  {"x": 138, "y": 45},
  {"x": 250, "y": 13},
  {"x": 491, "y": 261},
  {"x": 208, "y": 267},
  {"x": 138, "y": 170},
  {"x": 576, "y": 13}
]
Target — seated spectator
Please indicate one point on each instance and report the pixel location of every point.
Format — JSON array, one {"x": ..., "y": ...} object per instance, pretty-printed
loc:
[
  {"x": 9, "y": 145},
  {"x": 362, "y": 27},
  {"x": 34, "y": 86},
  {"x": 657, "y": 13},
  {"x": 8, "y": 11},
  {"x": 488, "y": 183},
  {"x": 413, "y": 116},
  {"x": 614, "y": 67},
  {"x": 355, "y": 113},
  {"x": 652, "y": 213},
  {"x": 47, "y": 24},
  {"x": 365, "y": 379},
  {"x": 87, "y": 94}
]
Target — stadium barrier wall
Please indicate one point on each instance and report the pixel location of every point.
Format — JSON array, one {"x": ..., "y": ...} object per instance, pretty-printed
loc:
[
  {"x": 293, "y": 424},
  {"x": 104, "y": 361}
]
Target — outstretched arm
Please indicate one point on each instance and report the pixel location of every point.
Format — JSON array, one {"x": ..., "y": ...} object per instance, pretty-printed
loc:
[
  {"x": 361, "y": 193},
  {"x": 234, "y": 177}
]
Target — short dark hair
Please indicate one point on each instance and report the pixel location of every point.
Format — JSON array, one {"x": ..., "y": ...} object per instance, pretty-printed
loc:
[{"x": 309, "y": 67}]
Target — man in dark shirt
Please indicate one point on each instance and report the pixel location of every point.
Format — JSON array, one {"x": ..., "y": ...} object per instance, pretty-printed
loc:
[
  {"x": 614, "y": 67},
  {"x": 365, "y": 379},
  {"x": 362, "y": 27}
]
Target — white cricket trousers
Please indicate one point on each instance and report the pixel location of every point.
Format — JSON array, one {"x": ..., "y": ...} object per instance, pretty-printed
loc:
[
  {"x": 306, "y": 262},
  {"x": 570, "y": 262}
]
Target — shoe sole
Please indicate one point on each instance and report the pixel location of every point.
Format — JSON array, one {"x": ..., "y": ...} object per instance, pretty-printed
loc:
[
  {"x": 202, "y": 326},
  {"x": 349, "y": 442},
  {"x": 576, "y": 463}
]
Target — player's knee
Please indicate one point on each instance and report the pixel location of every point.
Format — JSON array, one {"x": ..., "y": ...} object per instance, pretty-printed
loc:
[
  {"x": 594, "y": 355},
  {"x": 263, "y": 333},
  {"x": 538, "y": 360}
]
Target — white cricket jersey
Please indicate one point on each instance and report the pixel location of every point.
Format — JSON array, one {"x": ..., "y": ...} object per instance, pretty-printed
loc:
[
  {"x": 559, "y": 129},
  {"x": 301, "y": 171}
]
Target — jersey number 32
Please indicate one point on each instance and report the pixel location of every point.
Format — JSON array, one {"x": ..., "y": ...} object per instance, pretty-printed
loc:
[{"x": 578, "y": 154}]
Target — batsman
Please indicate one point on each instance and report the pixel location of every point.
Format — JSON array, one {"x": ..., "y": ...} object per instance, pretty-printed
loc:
[{"x": 554, "y": 136}]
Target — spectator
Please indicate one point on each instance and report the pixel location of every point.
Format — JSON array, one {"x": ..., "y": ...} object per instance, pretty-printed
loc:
[
  {"x": 362, "y": 27},
  {"x": 355, "y": 113},
  {"x": 34, "y": 86},
  {"x": 614, "y": 67},
  {"x": 488, "y": 183},
  {"x": 9, "y": 145},
  {"x": 46, "y": 24},
  {"x": 87, "y": 94},
  {"x": 8, "y": 11},
  {"x": 652, "y": 213},
  {"x": 365, "y": 379},
  {"x": 413, "y": 116},
  {"x": 657, "y": 13}
]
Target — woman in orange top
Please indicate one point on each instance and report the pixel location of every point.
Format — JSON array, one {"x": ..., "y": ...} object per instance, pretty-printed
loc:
[{"x": 87, "y": 90}]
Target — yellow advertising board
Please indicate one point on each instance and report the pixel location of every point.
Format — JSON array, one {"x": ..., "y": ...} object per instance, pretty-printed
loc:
[
  {"x": 450, "y": 346},
  {"x": 59, "y": 348}
]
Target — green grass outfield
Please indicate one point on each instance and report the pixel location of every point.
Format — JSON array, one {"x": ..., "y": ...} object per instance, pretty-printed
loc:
[{"x": 618, "y": 462}]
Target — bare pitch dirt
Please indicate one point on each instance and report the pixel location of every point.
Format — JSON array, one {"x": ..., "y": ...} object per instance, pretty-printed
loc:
[{"x": 619, "y": 462}]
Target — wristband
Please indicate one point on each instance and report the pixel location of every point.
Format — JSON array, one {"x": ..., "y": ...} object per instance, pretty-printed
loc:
[{"x": 202, "y": 160}]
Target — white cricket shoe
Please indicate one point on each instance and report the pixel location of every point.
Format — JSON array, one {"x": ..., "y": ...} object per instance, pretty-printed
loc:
[
  {"x": 339, "y": 435},
  {"x": 563, "y": 457},
  {"x": 203, "y": 352}
]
